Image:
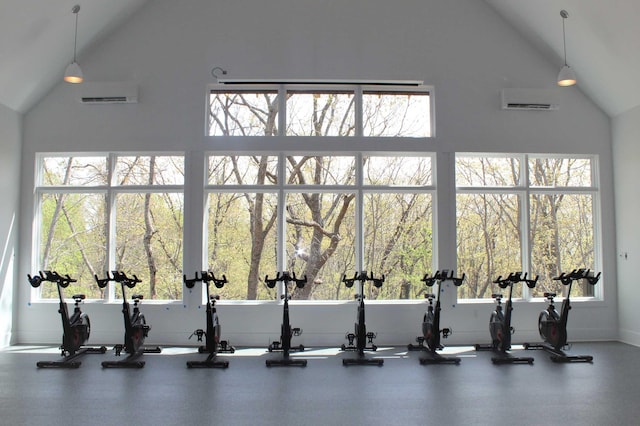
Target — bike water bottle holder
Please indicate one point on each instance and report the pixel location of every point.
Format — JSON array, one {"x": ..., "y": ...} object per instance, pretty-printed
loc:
[
  {"x": 351, "y": 338},
  {"x": 118, "y": 348},
  {"x": 198, "y": 333}
]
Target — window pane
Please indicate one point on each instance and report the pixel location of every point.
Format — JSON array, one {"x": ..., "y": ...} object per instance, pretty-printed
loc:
[
  {"x": 150, "y": 170},
  {"x": 487, "y": 171},
  {"x": 398, "y": 241},
  {"x": 149, "y": 230},
  {"x": 562, "y": 239},
  {"x": 242, "y": 243},
  {"x": 243, "y": 170},
  {"x": 397, "y": 171},
  {"x": 243, "y": 113},
  {"x": 320, "y": 113},
  {"x": 489, "y": 242},
  {"x": 560, "y": 172},
  {"x": 74, "y": 171},
  {"x": 396, "y": 114},
  {"x": 320, "y": 242},
  {"x": 318, "y": 170},
  {"x": 73, "y": 241}
]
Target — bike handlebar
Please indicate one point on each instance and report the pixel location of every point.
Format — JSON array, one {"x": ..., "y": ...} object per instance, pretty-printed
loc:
[
  {"x": 205, "y": 277},
  {"x": 52, "y": 276},
  {"x": 578, "y": 274},
  {"x": 363, "y": 276},
  {"x": 119, "y": 277},
  {"x": 444, "y": 275},
  {"x": 286, "y": 278},
  {"x": 514, "y": 278}
]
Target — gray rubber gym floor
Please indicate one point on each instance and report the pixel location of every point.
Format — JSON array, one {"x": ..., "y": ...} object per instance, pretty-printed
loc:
[{"x": 402, "y": 392}]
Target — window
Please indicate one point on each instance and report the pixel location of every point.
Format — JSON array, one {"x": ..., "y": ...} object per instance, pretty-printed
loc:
[
  {"x": 328, "y": 204},
  {"x": 523, "y": 213},
  {"x": 335, "y": 110},
  {"x": 109, "y": 212},
  {"x": 562, "y": 226},
  {"x": 243, "y": 113},
  {"x": 316, "y": 113}
]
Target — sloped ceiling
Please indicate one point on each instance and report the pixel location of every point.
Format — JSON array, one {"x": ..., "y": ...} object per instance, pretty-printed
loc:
[
  {"x": 36, "y": 43},
  {"x": 602, "y": 43}
]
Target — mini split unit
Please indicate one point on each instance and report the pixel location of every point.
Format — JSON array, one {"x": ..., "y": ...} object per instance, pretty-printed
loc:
[
  {"x": 108, "y": 93},
  {"x": 529, "y": 99}
]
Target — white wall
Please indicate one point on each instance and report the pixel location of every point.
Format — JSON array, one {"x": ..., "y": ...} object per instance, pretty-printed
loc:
[
  {"x": 461, "y": 47},
  {"x": 10, "y": 139},
  {"x": 626, "y": 151}
]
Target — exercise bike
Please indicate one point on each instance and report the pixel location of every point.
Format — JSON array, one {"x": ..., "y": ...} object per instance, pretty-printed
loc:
[
  {"x": 286, "y": 331},
  {"x": 553, "y": 326},
  {"x": 431, "y": 322},
  {"x": 135, "y": 325},
  {"x": 363, "y": 340},
  {"x": 213, "y": 345},
  {"x": 75, "y": 329},
  {"x": 500, "y": 322}
]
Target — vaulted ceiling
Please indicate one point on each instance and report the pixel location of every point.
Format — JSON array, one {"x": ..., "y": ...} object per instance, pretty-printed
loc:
[{"x": 36, "y": 43}]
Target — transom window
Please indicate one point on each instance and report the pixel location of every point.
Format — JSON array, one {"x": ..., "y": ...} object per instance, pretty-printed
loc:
[{"x": 336, "y": 110}]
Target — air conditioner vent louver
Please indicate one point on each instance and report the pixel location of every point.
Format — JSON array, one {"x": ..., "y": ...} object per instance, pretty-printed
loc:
[
  {"x": 108, "y": 93},
  {"x": 529, "y": 106},
  {"x": 105, "y": 100},
  {"x": 529, "y": 99}
]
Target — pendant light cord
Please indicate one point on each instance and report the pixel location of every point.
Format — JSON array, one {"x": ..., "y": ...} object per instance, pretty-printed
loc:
[
  {"x": 564, "y": 40},
  {"x": 75, "y": 10}
]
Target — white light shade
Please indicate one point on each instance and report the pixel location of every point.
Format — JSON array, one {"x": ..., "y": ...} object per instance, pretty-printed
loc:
[
  {"x": 73, "y": 73},
  {"x": 566, "y": 77}
]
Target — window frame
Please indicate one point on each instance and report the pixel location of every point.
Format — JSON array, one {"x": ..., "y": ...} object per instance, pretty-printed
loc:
[
  {"x": 282, "y": 189},
  {"x": 293, "y": 86},
  {"x": 111, "y": 190},
  {"x": 524, "y": 191}
]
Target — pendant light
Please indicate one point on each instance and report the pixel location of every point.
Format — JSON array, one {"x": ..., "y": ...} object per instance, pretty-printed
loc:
[
  {"x": 566, "y": 77},
  {"x": 73, "y": 73}
]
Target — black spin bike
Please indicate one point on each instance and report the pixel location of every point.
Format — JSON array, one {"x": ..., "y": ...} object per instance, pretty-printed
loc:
[
  {"x": 500, "y": 322},
  {"x": 75, "y": 328},
  {"x": 363, "y": 339},
  {"x": 431, "y": 321},
  {"x": 135, "y": 325},
  {"x": 553, "y": 326},
  {"x": 213, "y": 345},
  {"x": 286, "y": 331}
]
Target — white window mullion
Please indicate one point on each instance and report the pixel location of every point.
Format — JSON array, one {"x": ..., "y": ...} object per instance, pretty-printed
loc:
[
  {"x": 281, "y": 222},
  {"x": 358, "y": 111},
  {"x": 111, "y": 223},
  {"x": 282, "y": 110},
  {"x": 525, "y": 225},
  {"x": 359, "y": 212}
]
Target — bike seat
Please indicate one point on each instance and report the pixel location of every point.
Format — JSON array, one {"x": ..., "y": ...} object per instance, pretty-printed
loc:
[
  {"x": 78, "y": 297},
  {"x": 137, "y": 297},
  {"x": 549, "y": 295},
  {"x": 496, "y": 296}
]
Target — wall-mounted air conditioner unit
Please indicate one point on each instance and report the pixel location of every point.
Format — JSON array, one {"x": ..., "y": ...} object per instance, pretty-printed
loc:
[
  {"x": 108, "y": 92},
  {"x": 529, "y": 99}
]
